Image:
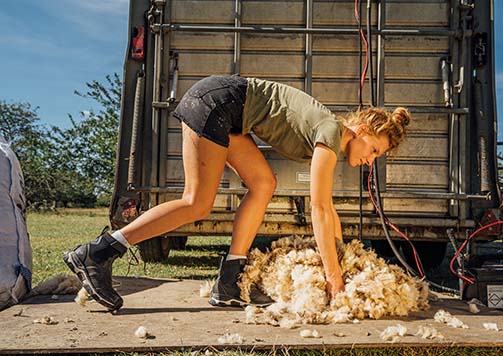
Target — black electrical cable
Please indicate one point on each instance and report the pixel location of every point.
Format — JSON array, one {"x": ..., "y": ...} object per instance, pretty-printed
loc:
[
  {"x": 376, "y": 176},
  {"x": 360, "y": 197},
  {"x": 369, "y": 40}
]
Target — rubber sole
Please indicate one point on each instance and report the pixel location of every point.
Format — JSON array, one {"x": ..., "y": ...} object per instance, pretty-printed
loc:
[
  {"x": 227, "y": 302},
  {"x": 76, "y": 266},
  {"x": 217, "y": 301}
]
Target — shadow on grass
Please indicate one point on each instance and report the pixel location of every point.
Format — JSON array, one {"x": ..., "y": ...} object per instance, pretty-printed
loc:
[
  {"x": 191, "y": 261},
  {"x": 208, "y": 248}
]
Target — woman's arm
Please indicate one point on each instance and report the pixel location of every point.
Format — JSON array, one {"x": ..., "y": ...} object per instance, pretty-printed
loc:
[{"x": 326, "y": 224}]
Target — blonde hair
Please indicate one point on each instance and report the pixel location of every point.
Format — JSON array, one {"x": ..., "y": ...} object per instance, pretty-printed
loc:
[{"x": 380, "y": 121}]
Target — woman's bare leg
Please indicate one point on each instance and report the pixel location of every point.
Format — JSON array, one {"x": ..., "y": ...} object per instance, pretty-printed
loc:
[
  {"x": 203, "y": 163},
  {"x": 249, "y": 163}
]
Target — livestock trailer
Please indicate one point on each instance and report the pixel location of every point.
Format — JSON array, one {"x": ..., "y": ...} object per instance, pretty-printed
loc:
[{"x": 435, "y": 57}]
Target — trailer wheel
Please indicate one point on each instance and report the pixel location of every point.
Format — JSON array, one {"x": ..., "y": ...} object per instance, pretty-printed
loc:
[
  {"x": 431, "y": 253},
  {"x": 157, "y": 249}
]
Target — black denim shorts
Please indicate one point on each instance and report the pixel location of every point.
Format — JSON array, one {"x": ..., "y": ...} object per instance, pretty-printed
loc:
[{"x": 213, "y": 107}]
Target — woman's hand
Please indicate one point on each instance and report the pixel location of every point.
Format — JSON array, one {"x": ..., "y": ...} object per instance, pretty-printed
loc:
[{"x": 335, "y": 284}]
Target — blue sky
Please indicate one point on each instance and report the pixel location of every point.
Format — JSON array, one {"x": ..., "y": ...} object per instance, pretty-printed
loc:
[{"x": 52, "y": 47}]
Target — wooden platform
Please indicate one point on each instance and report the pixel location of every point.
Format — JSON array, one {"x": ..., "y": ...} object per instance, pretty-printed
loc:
[{"x": 178, "y": 318}]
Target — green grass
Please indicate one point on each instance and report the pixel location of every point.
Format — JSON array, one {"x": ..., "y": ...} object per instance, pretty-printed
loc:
[{"x": 53, "y": 233}]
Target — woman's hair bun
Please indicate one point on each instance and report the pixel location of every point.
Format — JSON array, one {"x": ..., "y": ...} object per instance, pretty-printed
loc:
[{"x": 401, "y": 116}]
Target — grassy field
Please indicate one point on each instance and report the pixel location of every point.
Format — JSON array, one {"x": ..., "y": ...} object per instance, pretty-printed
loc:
[{"x": 53, "y": 233}]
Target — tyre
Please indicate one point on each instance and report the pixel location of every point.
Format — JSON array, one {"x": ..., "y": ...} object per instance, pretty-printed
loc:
[{"x": 157, "y": 249}]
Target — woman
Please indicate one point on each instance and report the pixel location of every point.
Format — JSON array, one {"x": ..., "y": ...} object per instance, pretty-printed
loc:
[{"x": 217, "y": 115}]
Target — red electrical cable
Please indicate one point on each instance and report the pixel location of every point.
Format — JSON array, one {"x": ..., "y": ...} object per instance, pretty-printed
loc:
[
  {"x": 451, "y": 265},
  {"x": 364, "y": 38},
  {"x": 386, "y": 220}
]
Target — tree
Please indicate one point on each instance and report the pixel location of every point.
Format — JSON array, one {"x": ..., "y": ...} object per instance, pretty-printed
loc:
[
  {"x": 31, "y": 143},
  {"x": 73, "y": 166},
  {"x": 90, "y": 144}
]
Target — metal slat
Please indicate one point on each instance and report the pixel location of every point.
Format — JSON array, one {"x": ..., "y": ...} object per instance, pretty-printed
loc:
[{"x": 425, "y": 31}]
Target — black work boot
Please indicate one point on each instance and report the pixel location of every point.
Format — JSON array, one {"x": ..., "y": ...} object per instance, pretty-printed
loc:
[
  {"x": 92, "y": 263},
  {"x": 226, "y": 292}
]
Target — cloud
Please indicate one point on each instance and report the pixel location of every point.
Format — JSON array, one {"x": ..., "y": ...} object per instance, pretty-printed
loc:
[
  {"x": 499, "y": 80},
  {"x": 116, "y": 7}
]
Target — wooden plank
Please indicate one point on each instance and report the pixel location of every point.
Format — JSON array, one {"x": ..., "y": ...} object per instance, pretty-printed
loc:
[
  {"x": 417, "y": 176},
  {"x": 423, "y": 148},
  {"x": 417, "y": 14},
  {"x": 337, "y": 66},
  {"x": 179, "y": 319},
  {"x": 275, "y": 65},
  {"x": 429, "y": 123},
  {"x": 273, "y": 12},
  {"x": 338, "y": 43},
  {"x": 409, "y": 66},
  {"x": 336, "y": 13},
  {"x": 413, "y": 93},
  {"x": 416, "y": 44},
  {"x": 338, "y": 92},
  {"x": 415, "y": 206},
  {"x": 202, "y": 12},
  {"x": 272, "y": 42},
  {"x": 202, "y": 40},
  {"x": 204, "y": 63}
]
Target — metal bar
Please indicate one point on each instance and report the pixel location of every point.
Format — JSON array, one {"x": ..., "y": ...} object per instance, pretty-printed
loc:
[
  {"x": 237, "y": 38},
  {"x": 158, "y": 51},
  {"x": 285, "y": 224},
  {"x": 348, "y": 194},
  {"x": 164, "y": 95},
  {"x": 308, "y": 65},
  {"x": 412, "y": 109},
  {"x": 464, "y": 90},
  {"x": 301, "y": 30},
  {"x": 346, "y": 108},
  {"x": 381, "y": 20}
]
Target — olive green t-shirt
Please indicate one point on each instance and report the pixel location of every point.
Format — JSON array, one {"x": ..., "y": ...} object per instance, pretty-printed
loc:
[{"x": 289, "y": 120}]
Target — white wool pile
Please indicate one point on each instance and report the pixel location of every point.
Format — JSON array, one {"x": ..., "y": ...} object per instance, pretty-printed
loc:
[
  {"x": 292, "y": 274},
  {"x": 428, "y": 332},
  {"x": 46, "y": 320},
  {"x": 141, "y": 332},
  {"x": 230, "y": 339},
  {"x": 205, "y": 288},
  {"x": 82, "y": 297},
  {"x": 393, "y": 333},
  {"x": 59, "y": 284},
  {"x": 445, "y": 317},
  {"x": 490, "y": 326},
  {"x": 308, "y": 333}
]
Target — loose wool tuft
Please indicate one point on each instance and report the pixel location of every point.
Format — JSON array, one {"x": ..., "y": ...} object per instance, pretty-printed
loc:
[
  {"x": 292, "y": 274},
  {"x": 57, "y": 285}
]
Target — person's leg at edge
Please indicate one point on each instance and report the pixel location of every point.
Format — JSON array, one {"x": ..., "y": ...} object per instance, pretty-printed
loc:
[
  {"x": 249, "y": 164},
  {"x": 203, "y": 162}
]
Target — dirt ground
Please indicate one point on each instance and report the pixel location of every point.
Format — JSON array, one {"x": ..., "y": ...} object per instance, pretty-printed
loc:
[{"x": 178, "y": 318}]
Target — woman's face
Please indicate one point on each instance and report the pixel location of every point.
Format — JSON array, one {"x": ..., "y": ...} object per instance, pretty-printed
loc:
[{"x": 364, "y": 148}]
